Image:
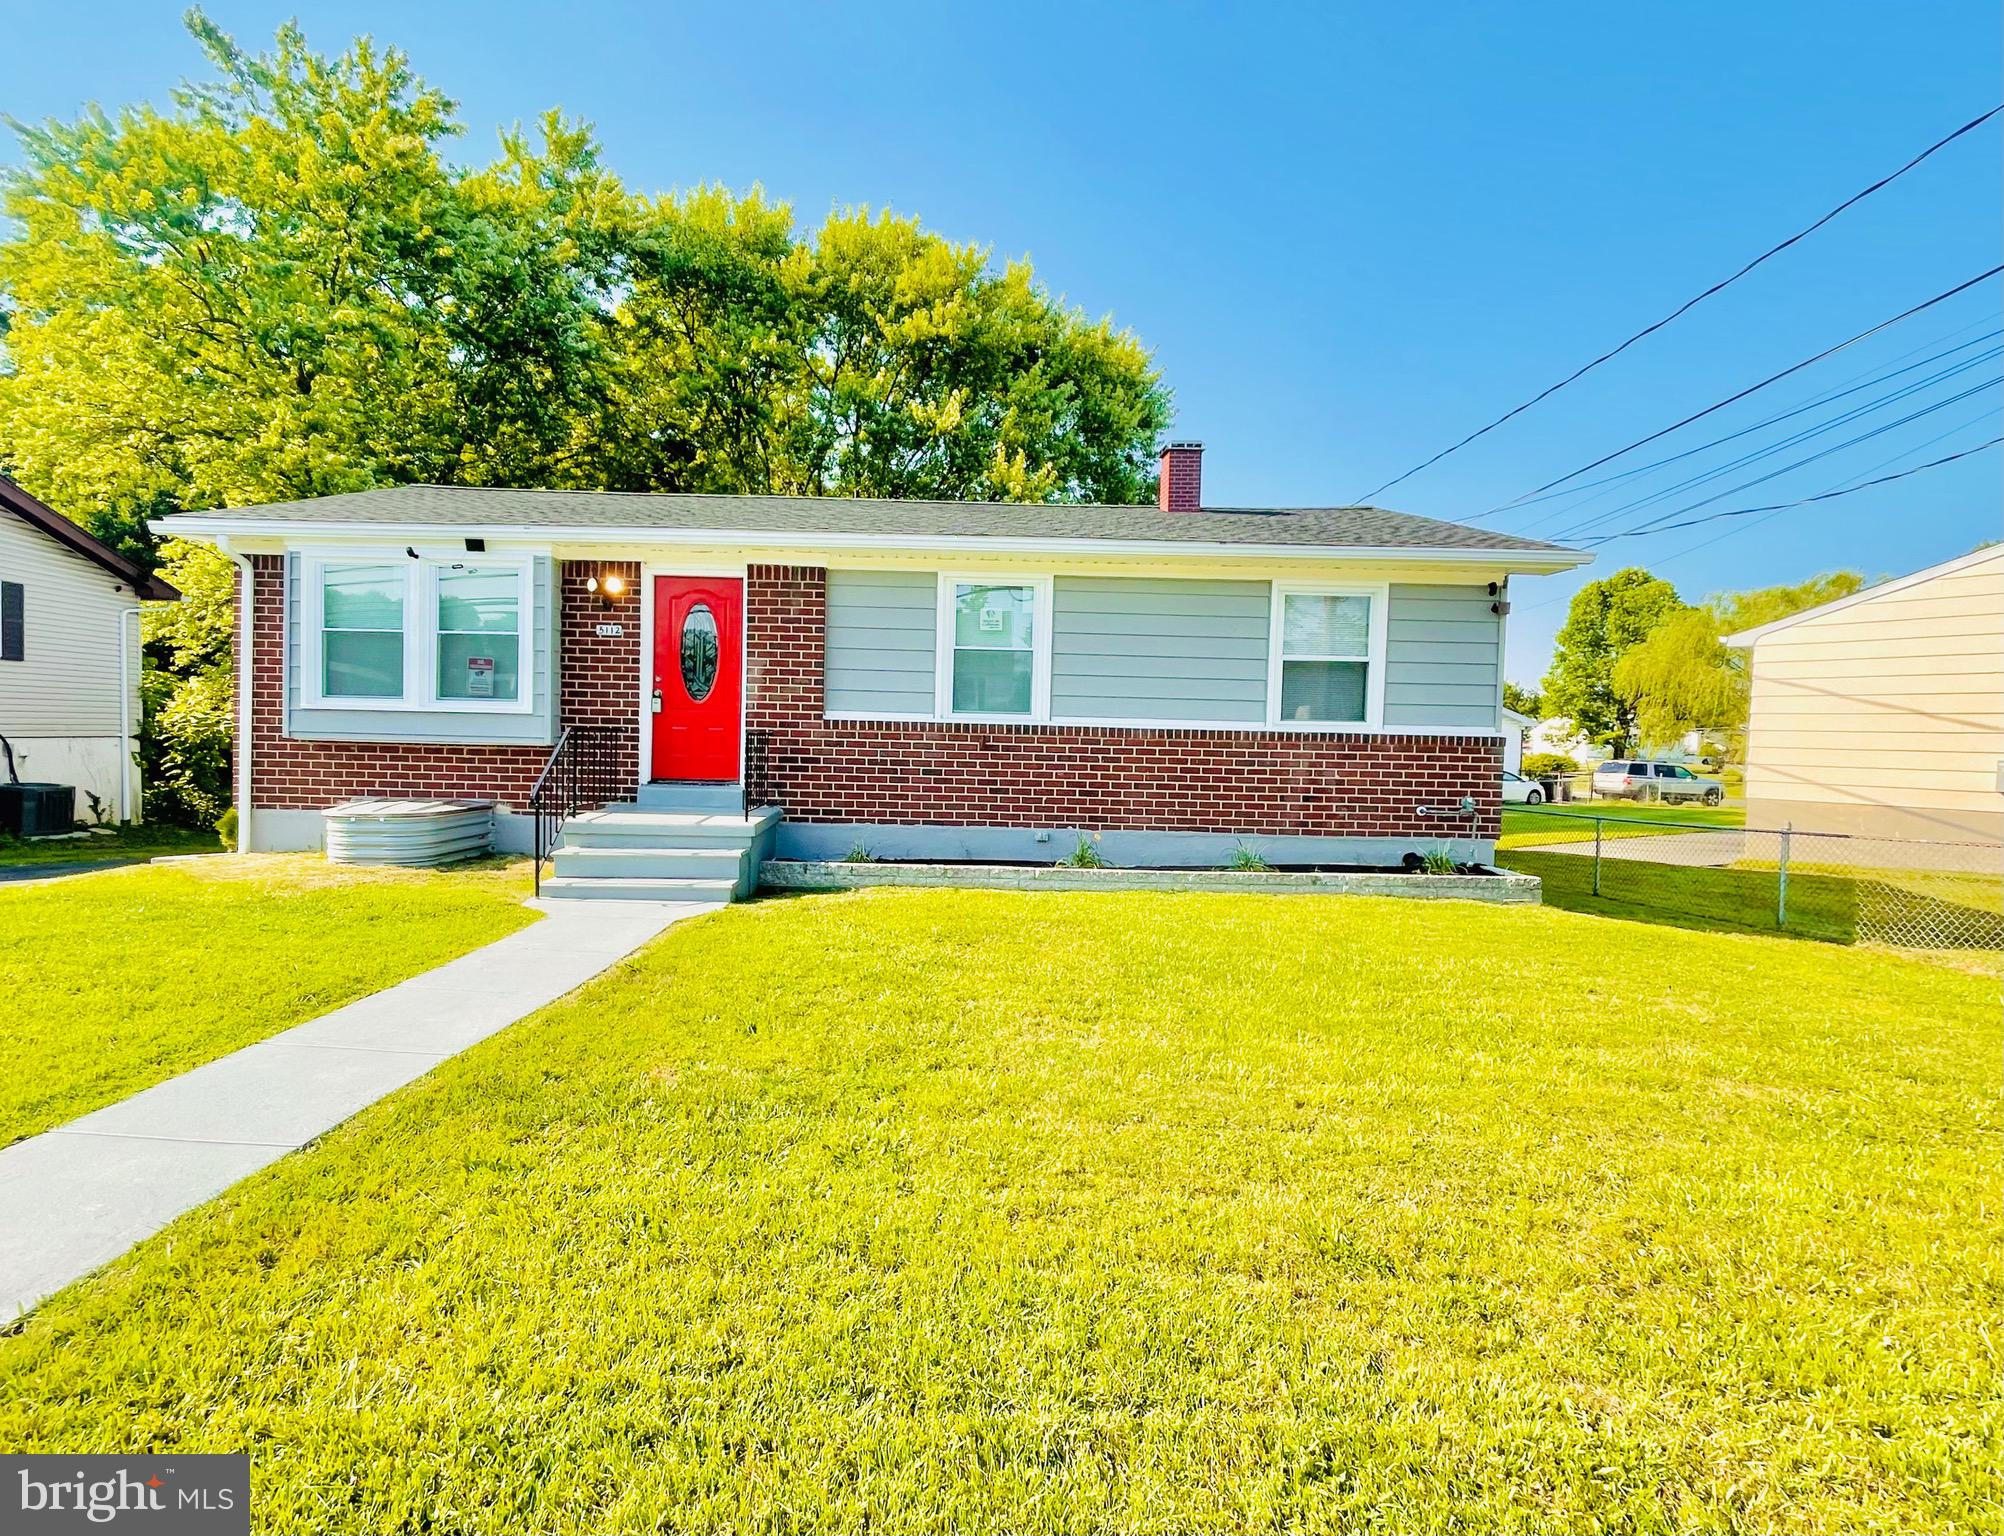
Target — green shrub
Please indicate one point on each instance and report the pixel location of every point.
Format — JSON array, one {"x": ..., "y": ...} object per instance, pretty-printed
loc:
[
  {"x": 1438, "y": 860},
  {"x": 226, "y": 828},
  {"x": 1247, "y": 858},
  {"x": 1549, "y": 765},
  {"x": 858, "y": 854}
]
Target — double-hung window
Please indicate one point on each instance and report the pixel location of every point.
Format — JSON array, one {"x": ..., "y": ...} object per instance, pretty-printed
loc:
[
  {"x": 479, "y": 611},
  {"x": 362, "y": 631},
  {"x": 1326, "y": 665},
  {"x": 379, "y": 632},
  {"x": 994, "y": 647}
]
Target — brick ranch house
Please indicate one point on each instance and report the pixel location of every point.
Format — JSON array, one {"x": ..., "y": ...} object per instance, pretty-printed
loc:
[{"x": 925, "y": 679}]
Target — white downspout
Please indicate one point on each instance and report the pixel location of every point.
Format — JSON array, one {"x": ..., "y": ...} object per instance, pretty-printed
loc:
[
  {"x": 127, "y": 747},
  {"x": 246, "y": 604}
]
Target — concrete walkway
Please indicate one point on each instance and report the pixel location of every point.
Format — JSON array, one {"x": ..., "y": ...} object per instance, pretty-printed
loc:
[{"x": 80, "y": 1195}]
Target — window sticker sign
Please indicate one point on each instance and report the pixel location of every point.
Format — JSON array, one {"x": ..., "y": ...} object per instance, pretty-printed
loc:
[
  {"x": 992, "y": 620},
  {"x": 480, "y": 677}
]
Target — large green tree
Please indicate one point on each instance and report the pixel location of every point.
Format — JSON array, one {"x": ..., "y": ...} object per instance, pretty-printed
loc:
[
  {"x": 1608, "y": 618},
  {"x": 280, "y": 286},
  {"x": 1683, "y": 676}
]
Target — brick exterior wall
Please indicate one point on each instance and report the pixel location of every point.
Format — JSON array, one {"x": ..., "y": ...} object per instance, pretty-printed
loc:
[
  {"x": 1102, "y": 777},
  {"x": 598, "y": 679}
]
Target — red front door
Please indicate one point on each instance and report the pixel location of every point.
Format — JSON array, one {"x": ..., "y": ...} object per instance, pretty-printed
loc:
[{"x": 698, "y": 694}]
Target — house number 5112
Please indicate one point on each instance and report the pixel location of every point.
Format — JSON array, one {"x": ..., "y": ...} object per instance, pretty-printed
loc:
[{"x": 612, "y": 631}]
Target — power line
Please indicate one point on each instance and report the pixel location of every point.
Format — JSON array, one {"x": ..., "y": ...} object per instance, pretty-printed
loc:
[
  {"x": 1609, "y": 458},
  {"x": 1783, "y": 506},
  {"x": 1795, "y": 439},
  {"x": 1652, "y": 524},
  {"x": 1846, "y": 485},
  {"x": 1808, "y": 405},
  {"x": 1692, "y": 303}
]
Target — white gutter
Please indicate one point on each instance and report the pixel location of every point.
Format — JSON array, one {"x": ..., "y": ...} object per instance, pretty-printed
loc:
[
  {"x": 1527, "y": 560},
  {"x": 246, "y": 603},
  {"x": 126, "y": 745}
]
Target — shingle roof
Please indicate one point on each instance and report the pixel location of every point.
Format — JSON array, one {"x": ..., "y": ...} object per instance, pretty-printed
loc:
[{"x": 476, "y": 506}]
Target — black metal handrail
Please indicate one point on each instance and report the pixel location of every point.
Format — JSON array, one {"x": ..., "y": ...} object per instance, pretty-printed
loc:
[
  {"x": 587, "y": 767},
  {"x": 757, "y": 790}
]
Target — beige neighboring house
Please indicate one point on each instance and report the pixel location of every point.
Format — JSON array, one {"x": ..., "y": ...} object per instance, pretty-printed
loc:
[
  {"x": 69, "y": 656},
  {"x": 1883, "y": 713}
]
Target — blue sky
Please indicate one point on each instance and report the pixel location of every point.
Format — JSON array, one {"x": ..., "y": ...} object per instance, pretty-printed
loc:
[{"x": 1350, "y": 233}]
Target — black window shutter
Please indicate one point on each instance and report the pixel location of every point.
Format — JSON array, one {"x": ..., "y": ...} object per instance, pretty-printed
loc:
[{"x": 13, "y": 621}]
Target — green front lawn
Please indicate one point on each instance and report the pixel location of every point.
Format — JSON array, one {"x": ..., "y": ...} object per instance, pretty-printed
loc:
[
  {"x": 119, "y": 979},
  {"x": 1524, "y": 827},
  {"x": 964, "y": 1211}
]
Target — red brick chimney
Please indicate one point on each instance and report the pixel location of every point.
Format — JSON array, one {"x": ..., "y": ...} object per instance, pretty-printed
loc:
[{"x": 1180, "y": 487}]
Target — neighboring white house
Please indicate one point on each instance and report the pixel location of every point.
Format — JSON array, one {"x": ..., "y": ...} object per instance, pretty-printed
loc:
[
  {"x": 1514, "y": 727},
  {"x": 69, "y": 655},
  {"x": 1557, "y": 735},
  {"x": 1882, "y": 713}
]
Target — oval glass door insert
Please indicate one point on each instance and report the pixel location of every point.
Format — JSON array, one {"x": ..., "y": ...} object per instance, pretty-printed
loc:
[{"x": 699, "y": 652}]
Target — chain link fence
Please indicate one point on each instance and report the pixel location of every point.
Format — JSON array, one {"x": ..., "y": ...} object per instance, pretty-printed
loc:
[{"x": 1854, "y": 890}]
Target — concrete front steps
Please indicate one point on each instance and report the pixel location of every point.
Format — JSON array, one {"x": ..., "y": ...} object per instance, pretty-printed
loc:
[{"x": 646, "y": 852}]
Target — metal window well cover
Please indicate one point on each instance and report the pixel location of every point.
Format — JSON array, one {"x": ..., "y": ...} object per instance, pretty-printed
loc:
[{"x": 409, "y": 831}]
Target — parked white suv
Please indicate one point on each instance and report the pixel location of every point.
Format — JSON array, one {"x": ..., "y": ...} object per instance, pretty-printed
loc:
[
  {"x": 1518, "y": 790},
  {"x": 1629, "y": 779}
]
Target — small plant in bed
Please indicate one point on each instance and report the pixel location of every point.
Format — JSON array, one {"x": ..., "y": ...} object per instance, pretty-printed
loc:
[
  {"x": 1438, "y": 860},
  {"x": 858, "y": 854},
  {"x": 1086, "y": 855},
  {"x": 1248, "y": 859}
]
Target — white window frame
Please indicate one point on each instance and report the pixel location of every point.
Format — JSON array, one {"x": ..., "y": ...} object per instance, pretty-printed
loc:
[
  {"x": 1379, "y": 594},
  {"x": 420, "y": 691},
  {"x": 1040, "y": 645}
]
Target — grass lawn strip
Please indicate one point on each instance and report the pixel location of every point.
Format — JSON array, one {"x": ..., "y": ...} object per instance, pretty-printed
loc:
[
  {"x": 1963, "y": 913},
  {"x": 121, "y": 979},
  {"x": 144, "y": 841},
  {"x": 1524, "y": 828},
  {"x": 956, "y": 1210}
]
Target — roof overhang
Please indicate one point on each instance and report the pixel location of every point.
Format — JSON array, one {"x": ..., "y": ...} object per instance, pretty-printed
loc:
[
  {"x": 234, "y": 530},
  {"x": 38, "y": 514}
]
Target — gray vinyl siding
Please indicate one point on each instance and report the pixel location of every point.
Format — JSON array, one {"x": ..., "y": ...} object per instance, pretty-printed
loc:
[
  {"x": 1442, "y": 651},
  {"x": 536, "y": 728},
  {"x": 882, "y": 630},
  {"x": 1143, "y": 648}
]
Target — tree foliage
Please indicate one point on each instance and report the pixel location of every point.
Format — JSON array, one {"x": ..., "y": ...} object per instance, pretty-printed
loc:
[
  {"x": 1608, "y": 618},
  {"x": 1683, "y": 677},
  {"x": 280, "y": 287},
  {"x": 1525, "y": 701}
]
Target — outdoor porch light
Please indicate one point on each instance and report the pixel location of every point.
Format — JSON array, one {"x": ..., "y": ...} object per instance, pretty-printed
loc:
[{"x": 608, "y": 591}]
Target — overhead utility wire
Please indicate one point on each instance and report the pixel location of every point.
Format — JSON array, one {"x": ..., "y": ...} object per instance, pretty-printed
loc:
[
  {"x": 1848, "y": 484},
  {"x": 1782, "y": 506},
  {"x": 1780, "y": 445},
  {"x": 1808, "y": 405},
  {"x": 1692, "y": 303},
  {"x": 1773, "y": 378},
  {"x": 1844, "y": 485},
  {"x": 1650, "y": 524}
]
